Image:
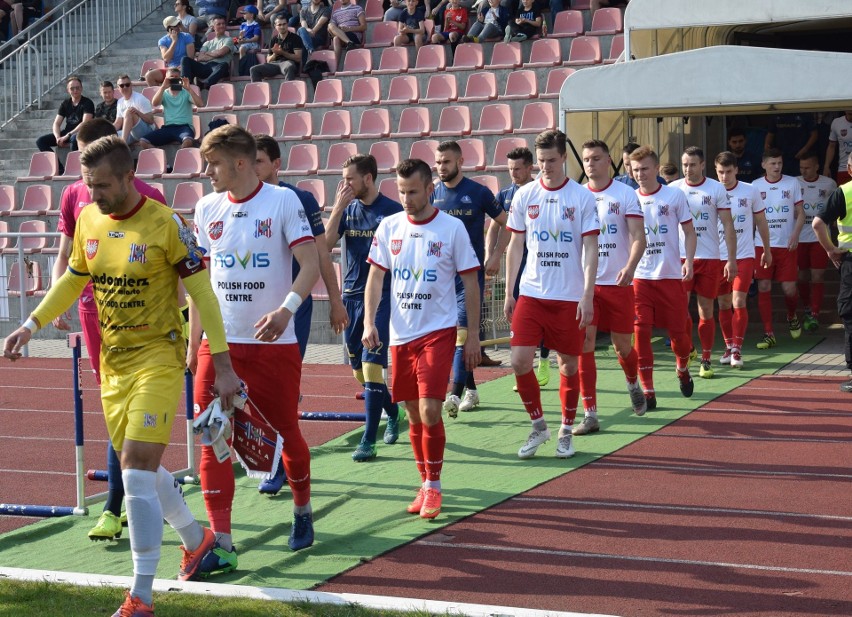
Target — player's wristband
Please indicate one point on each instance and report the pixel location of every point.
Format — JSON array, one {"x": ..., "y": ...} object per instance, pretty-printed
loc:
[
  {"x": 292, "y": 302},
  {"x": 30, "y": 325}
]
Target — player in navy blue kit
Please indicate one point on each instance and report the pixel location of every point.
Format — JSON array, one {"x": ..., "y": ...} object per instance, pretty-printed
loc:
[
  {"x": 358, "y": 209},
  {"x": 469, "y": 202}
]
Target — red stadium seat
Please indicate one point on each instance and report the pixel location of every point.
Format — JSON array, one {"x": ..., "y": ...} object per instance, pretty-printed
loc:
[
  {"x": 606, "y": 21},
  {"x": 229, "y": 118},
  {"x": 537, "y": 117},
  {"x": 31, "y": 280},
  {"x": 567, "y": 24},
  {"x": 151, "y": 163},
  {"x": 505, "y": 56},
  {"x": 442, "y": 88},
  {"x": 413, "y": 122},
  {"x": 430, "y": 58},
  {"x": 298, "y": 125},
  {"x": 219, "y": 98},
  {"x": 356, "y": 62},
  {"x": 544, "y": 53},
  {"x": 389, "y": 189},
  {"x": 34, "y": 244},
  {"x": 72, "y": 166},
  {"x": 327, "y": 56},
  {"x": 43, "y": 166},
  {"x": 149, "y": 91},
  {"x": 616, "y": 48},
  {"x": 473, "y": 153},
  {"x": 488, "y": 181},
  {"x": 291, "y": 94},
  {"x": 375, "y": 123},
  {"x": 468, "y": 56},
  {"x": 585, "y": 50},
  {"x": 8, "y": 203},
  {"x": 424, "y": 150},
  {"x": 188, "y": 164},
  {"x": 403, "y": 90},
  {"x": 303, "y": 160},
  {"x": 316, "y": 187},
  {"x": 365, "y": 92},
  {"x": 454, "y": 121},
  {"x": 480, "y": 87},
  {"x": 521, "y": 85},
  {"x": 150, "y": 65},
  {"x": 261, "y": 123},
  {"x": 394, "y": 60},
  {"x": 38, "y": 200},
  {"x": 337, "y": 155},
  {"x": 555, "y": 79},
  {"x": 186, "y": 197},
  {"x": 383, "y": 34},
  {"x": 374, "y": 10},
  {"x": 386, "y": 154},
  {"x": 328, "y": 93},
  {"x": 256, "y": 95},
  {"x": 336, "y": 124},
  {"x": 495, "y": 119},
  {"x": 504, "y": 146}
]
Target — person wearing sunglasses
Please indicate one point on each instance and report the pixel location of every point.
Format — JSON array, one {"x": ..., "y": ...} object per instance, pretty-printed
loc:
[
  {"x": 134, "y": 114},
  {"x": 174, "y": 46}
]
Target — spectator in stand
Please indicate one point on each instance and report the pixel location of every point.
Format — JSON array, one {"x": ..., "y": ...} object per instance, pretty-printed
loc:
[
  {"x": 134, "y": 113},
  {"x": 74, "y": 110},
  {"x": 213, "y": 63},
  {"x": 840, "y": 137},
  {"x": 412, "y": 26},
  {"x": 314, "y": 27},
  {"x": 249, "y": 38},
  {"x": 285, "y": 55},
  {"x": 210, "y": 10},
  {"x": 490, "y": 23},
  {"x": 748, "y": 166},
  {"x": 174, "y": 46},
  {"x": 107, "y": 107},
  {"x": 455, "y": 24},
  {"x": 347, "y": 25},
  {"x": 669, "y": 172},
  {"x": 398, "y": 7},
  {"x": 794, "y": 135},
  {"x": 268, "y": 13},
  {"x": 190, "y": 24},
  {"x": 526, "y": 23},
  {"x": 594, "y": 5},
  {"x": 177, "y": 97},
  {"x": 627, "y": 176},
  {"x": 12, "y": 14}
]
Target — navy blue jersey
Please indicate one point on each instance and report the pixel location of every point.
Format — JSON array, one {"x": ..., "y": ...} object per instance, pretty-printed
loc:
[
  {"x": 357, "y": 225},
  {"x": 314, "y": 214},
  {"x": 469, "y": 202},
  {"x": 504, "y": 198}
]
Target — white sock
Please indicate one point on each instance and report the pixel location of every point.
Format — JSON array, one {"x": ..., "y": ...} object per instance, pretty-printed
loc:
[
  {"x": 145, "y": 517},
  {"x": 302, "y": 510},
  {"x": 225, "y": 541},
  {"x": 434, "y": 484},
  {"x": 591, "y": 412},
  {"x": 176, "y": 512},
  {"x": 540, "y": 424}
]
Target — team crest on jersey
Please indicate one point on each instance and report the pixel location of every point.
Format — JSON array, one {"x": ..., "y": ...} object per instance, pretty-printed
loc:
[
  {"x": 705, "y": 201},
  {"x": 822, "y": 193},
  {"x": 532, "y": 211},
  {"x": 91, "y": 249},
  {"x": 763, "y": 194},
  {"x": 614, "y": 207},
  {"x": 466, "y": 200},
  {"x": 396, "y": 246},
  {"x": 187, "y": 238},
  {"x": 137, "y": 253},
  {"x": 743, "y": 202},
  {"x": 664, "y": 210},
  {"x": 785, "y": 194},
  {"x": 568, "y": 213},
  {"x": 149, "y": 420},
  {"x": 264, "y": 227},
  {"x": 375, "y": 241},
  {"x": 434, "y": 249},
  {"x": 214, "y": 229},
  {"x": 302, "y": 215},
  {"x": 843, "y": 132}
]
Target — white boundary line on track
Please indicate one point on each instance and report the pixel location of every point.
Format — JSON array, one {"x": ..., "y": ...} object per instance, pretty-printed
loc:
[
  {"x": 841, "y": 442},
  {"x": 288, "y": 595},
  {"x": 765, "y": 410},
  {"x": 582, "y": 555},
  {"x": 728, "y": 470}
]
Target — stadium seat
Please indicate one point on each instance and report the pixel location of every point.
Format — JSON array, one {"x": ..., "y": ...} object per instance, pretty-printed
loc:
[
  {"x": 188, "y": 164},
  {"x": 219, "y": 98},
  {"x": 31, "y": 282},
  {"x": 585, "y": 50},
  {"x": 495, "y": 119},
  {"x": 4, "y": 242},
  {"x": 488, "y": 181},
  {"x": 505, "y": 56},
  {"x": 374, "y": 123},
  {"x": 521, "y": 85},
  {"x": 424, "y": 150},
  {"x": 389, "y": 189},
  {"x": 303, "y": 160},
  {"x": 33, "y": 244},
  {"x": 442, "y": 88},
  {"x": 504, "y": 145},
  {"x": 468, "y": 56},
  {"x": 43, "y": 166},
  {"x": 327, "y": 56},
  {"x": 229, "y": 118},
  {"x": 8, "y": 203},
  {"x": 186, "y": 197},
  {"x": 386, "y": 154},
  {"x": 394, "y": 60},
  {"x": 291, "y": 94},
  {"x": 336, "y": 124},
  {"x": 256, "y": 95},
  {"x": 151, "y": 163},
  {"x": 473, "y": 153},
  {"x": 567, "y": 24},
  {"x": 149, "y": 91},
  {"x": 413, "y": 122},
  {"x": 337, "y": 155},
  {"x": 328, "y": 93},
  {"x": 316, "y": 187},
  {"x": 365, "y": 92},
  {"x": 480, "y": 87},
  {"x": 149, "y": 65},
  {"x": 454, "y": 121},
  {"x": 403, "y": 90},
  {"x": 158, "y": 186},
  {"x": 72, "y": 166},
  {"x": 537, "y": 117},
  {"x": 555, "y": 79},
  {"x": 616, "y": 48},
  {"x": 298, "y": 125},
  {"x": 374, "y": 10},
  {"x": 382, "y": 35},
  {"x": 544, "y": 53},
  {"x": 356, "y": 62},
  {"x": 430, "y": 58},
  {"x": 606, "y": 21},
  {"x": 261, "y": 123}
]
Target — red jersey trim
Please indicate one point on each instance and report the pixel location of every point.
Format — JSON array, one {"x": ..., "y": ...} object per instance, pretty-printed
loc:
[
  {"x": 302, "y": 240},
  {"x": 380, "y": 267},
  {"x": 589, "y": 186},
  {"x": 634, "y": 216},
  {"x": 594, "y": 232},
  {"x": 558, "y": 188},
  {"x": 135, "y": 209},
  {"x": 659, "y": 187},
  {"x": 245, "y": 199},
  {"x": 517, "y": 231},
  {"x": 736, "y": 184},
  {"x": 768, "y": 181},
  {"x": 685, "y": 181},
  {"x": 469, "y": 270},
  {"x": 429, "y": 220}
]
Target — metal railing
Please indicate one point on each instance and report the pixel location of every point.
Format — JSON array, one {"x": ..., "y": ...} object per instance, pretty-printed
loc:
[{"x": 58, "y": 44}]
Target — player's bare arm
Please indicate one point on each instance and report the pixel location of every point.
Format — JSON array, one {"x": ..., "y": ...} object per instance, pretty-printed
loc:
[
  {"x": 271, "y": 326},
  {"x": 372, "y": 296},
  {"x": 585, "y": 307},
  {"x": 797, "y": 227},
  {"x": 492, "y": 257},
  {"x": 514, "y": 254},
  {"x": 638, "y": 243},
  {"x": 690, "y": 242},
  {"x": 194, "y": 341},
  {"x": 730, "y": 270},
  {"x": 472, "y": 348},
  {"x": 763, "y": 229}
]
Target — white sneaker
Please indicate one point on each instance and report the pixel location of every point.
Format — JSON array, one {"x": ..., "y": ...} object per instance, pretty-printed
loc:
[
  {"x": 564, "y": 447},
  {"x": 535, "y": 439},
  {"x": 736, "y": 359},
  {"x": 469, "y": 400},
  {"x": 725, "y": 360},
  {"x": 637, "y": 398},
  {"x": 451, "y": 405}
]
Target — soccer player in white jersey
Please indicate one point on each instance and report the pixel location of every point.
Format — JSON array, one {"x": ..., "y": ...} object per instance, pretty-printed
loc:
[
  {"x": 251, "y": 231},
  {"x": 840, "y": 143},
  {"x": 657, "y": 282},
  {"x": 708, "y": 205},
  {"x": 782, "y": 196},
  {"x": 747, "y": 212},
  {"x": 620, "y": 247},
  {"x": 812, "y": 258},
  {"x": 558, "y": 221},
  {"x": 422, "y": 249}
]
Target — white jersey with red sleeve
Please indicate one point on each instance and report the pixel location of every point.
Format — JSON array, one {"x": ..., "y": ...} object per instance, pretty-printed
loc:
[
  {"x": 781, "y": 198},
  {"x": 665, "y": 210},
  {"x": 422, "y": 259},
  {"x": 814, "y": 197},
  {"x": 555, "y": 221},
  {"x": 248, "y": 245},
  {"x": 615, "y": 204},
  {"x": 705, "y": 200},
  {"x": 745, "y": 202}
]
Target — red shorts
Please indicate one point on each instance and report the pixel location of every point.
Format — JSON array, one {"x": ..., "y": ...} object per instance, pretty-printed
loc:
[
  {"x": 92, "y": 337},
  {"x": 551, "y": 322},
  {"x": 812, "y": 256},
  {"x": 842, "y": 177},
  {"x": 784, "y": 266},
  {"x": 706, "y": 274},
  {"x": 421, "y": 368},
  {"x": 661, "y": 304},
  {"x": 742, "y": 281},
  {"x": 614, "y": 308}
]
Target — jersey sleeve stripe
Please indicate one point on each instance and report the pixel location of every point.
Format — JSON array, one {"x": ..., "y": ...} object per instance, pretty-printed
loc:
[
  {"x": 517, "y": 231},
  {"x": 302, "y": 240},
  {"x": 379, "y": 266},
  {"x": 474, "y": 269},
  {"x": 634, "y": 216},
  {"x": 73, "y": 271},
  {"x": 592, "y": 232}
]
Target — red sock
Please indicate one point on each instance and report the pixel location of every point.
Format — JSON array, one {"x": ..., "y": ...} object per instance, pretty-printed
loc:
[
  {"x": 726, "y": 318},
  {"x": 569, "y": 394},
  {"x": 642, "y": 345},
  {"x": 740, "y": 324},
  {"x": 630, "y": 365},
  {"x": 217, "y": 486},
  {"x": 434, "y": 440},
  {"x": 689, "y": 324},
  {"x": 415, "y": 434},
  {"x": 792, "y": 303},
  {"x": 706, "y": 333},
  {"x": 681, "y": 346},
  {"x": 817, "y": 295},
  {"x": 588, "y": 380},
  {"x": 764, "y": 303},
  {"x": 530, "y": 393},
  {"x": 805, "y": 293}
]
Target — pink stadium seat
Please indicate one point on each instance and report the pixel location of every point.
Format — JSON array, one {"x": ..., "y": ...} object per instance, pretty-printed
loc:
[
  {"x": 585, "y": 50},
  {"x": 606, "y": 21},
  {"x": 413, "y": 122},
  {"x": 328, "y": 93},
  {"x": 374, "y": 10},
  {"x": 256, "y": 95},
  {"x": 149, "y": 65},
  {"x": 504, "y": 145},
  {"x": 616, "y": 47},
  {"x": 4, "y": 242},
  {"x": 188, "y": 164},
  {"x": 387, "y": 155},
  {"x": 365, "y": 92},
  {"x": 38, "y": 200},
  {"x": 356, "y": 62},
  {"x": 388, "y": 188},
  {"x": 537, "y": 117},
  {"x": 31, "y": 282},
  {"x": 567, "y": 24},
  {"x": 555, "y": 79},
  {"x": 298, "y": 125},
  {"x": 473, "y": 153},
  {"x": 480, "y": 87},
  {"x": 303, "y": 160},
  {"x": 430, "y": 58},
  {"x": 32, "y": 245},
  {"x": 403, "y": 90},
  {"x": 424, "y": 150},
  {"x": 442, "y": 88},
  {"x": 544, "y": 53},
  {"x": 261, "y": 123},
  {"x": 157, "y": 186},
  {"x": 43, "y": 166},
  {"x": 375, "y": 124},
  {"x": 186, "y": 197},
  {"x": 72, "y": 166},
  {"x": 291, "y": 94},
  {"x": 454, "y": 121},
  {"x": 382, "y": 35},
  {"x": 229, "y": 118},
  {"x": 7, "y": 200},
  {"x": 220, "y": 98},
  {"x": 495, "y": 119},
  {"x": 337, "y": 155},
  {"x": 468, "y": 56},
  {"x": 336, "y": 124},
  {"x": 505, "y": 56},
  {"x": 151, "y": 163},
  {"x": 488, "y": 181},
  {"x": 149, "y": 91},
  {"x": 327, "y": 56},
  {"x": 315, "y": 187},
  {"x": 394, "y": 60},
  {"x": 521, "y": 85}
]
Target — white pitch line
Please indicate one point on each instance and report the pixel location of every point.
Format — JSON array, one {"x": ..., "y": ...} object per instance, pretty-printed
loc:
[
  {"x": 45, "y": 473},
  {"x": 63, "y": 411},
  {"x": 288, "y": 595},
  {"x": 734, "y": 470},
  {"x": 748, "y": 438},
  {"x": 578, "y": 554},
  {"x": 765, "y": 410}
]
